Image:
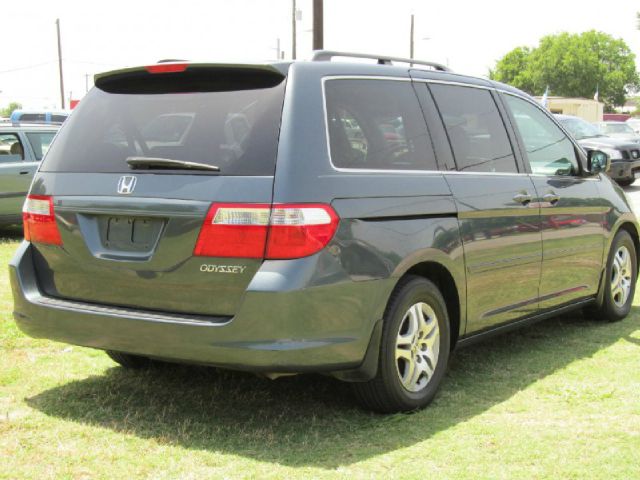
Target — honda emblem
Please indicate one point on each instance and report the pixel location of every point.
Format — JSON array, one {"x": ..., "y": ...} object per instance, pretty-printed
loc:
[{"x": 126, "y": 184}]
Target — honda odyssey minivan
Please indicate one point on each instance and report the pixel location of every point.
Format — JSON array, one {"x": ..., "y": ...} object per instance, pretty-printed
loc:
[{"x": 358, "y": 220}]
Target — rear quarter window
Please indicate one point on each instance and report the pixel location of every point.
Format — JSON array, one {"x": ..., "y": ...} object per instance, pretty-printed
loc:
[{"x": 377, "y": 125}]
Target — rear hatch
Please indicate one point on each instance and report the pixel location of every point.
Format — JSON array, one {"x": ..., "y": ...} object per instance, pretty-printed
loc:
[{"x": 133, "y": 175}]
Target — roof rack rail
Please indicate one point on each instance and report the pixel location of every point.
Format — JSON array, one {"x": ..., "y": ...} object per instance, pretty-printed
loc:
[{"x": 327, "y": 55}]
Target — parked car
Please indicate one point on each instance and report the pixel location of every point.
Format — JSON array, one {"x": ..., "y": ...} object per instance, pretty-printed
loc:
[
  {"x": 21, "y": 149},
  {"x": 624, "y": 154},
  {"x": 634, "y": 123},
  {"x": 618, "y": 117},
  {"x": 305, "y": 238},
  {"x": 621, "y": 130},
  {"x": 39, "y": 116}
]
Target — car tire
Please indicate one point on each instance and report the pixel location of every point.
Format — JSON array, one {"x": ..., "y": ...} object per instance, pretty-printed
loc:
[
  {"x": 620, "y": 280},
  {"x": 414, "y": 349},
  {"x": 626, "y": 183},
  {"x": 127, "y": 360}
]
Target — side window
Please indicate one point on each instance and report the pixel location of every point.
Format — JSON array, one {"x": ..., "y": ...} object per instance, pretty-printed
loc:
[
  {"x": 476, "y": 131},
  {"x": 11, "y": 149},
  {"x": 40, "y": 142},
  {"x": 377, "y": 124},
  {"x": 33, "y": 117},
  {"x": 549, "y": 150}
]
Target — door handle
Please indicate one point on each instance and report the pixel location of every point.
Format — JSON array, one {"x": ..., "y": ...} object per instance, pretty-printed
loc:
[
  {"x": 551, "y": 198},
  {"x": 524, "y": 198},
  {"x": 24, "y": 172}
]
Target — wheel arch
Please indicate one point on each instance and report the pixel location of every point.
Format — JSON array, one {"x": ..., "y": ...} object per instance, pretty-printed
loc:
[
  {"x": 632, "y": 230},
  {"x": 445, "y": 281}
]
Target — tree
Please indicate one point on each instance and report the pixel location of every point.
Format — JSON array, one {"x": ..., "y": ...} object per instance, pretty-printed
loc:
[
  {"x": 6, "y": 112},
  {"x": 572, "y": 65}
]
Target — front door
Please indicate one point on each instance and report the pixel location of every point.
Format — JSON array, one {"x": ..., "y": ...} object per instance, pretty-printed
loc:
[{"x": 572, "y": 215}]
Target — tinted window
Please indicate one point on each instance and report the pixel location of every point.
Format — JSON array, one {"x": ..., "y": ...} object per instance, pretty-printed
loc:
[
  {"x": 616, "y": 128},
  {"x": 33, "y": 117},
  {"x": 377, "y": 124},
  {"x": 549, "y": 150},
  {"x": 579, "y": 128},
  {"x": 58, "y": 118},
  {"x": 40, "y": 142},
  {"x": 236, "y": 130},
  {"x": 477, "y": 134},
  {"x": 11, "y": 149}
]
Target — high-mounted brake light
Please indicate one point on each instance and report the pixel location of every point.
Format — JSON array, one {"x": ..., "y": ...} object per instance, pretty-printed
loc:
[
  {"x": 166, "y": 68},
  {"x": 38, "y": 220},
  {"x": 280, "y": 231}
]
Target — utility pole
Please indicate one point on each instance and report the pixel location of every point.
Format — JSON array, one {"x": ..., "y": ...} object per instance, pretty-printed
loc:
[
  {"x": 411, "y": 38},
  {"x": 318, "y": 25},
  {"x": 293, "y": 30},
  {"x": 60, "y": 63}
]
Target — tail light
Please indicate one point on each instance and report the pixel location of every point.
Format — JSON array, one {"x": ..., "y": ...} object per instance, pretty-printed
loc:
[
  {"x": 280, "y": 231},
  {"x": 234, "y": 230},
  {"x": 38, "y": 220},
  {"x": 300, "y": 230}
]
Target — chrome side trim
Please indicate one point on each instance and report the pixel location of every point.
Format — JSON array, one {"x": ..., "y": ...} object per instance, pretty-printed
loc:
[
  {"x": 363, "y": 77},
  {"x": 451, "y": 82}
]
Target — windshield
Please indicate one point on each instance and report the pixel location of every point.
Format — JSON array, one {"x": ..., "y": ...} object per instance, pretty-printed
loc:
[
  {"x": 580, "y": 128},
  {"x": 235, "y": 129},
  {"x": 617, "y": 128}
]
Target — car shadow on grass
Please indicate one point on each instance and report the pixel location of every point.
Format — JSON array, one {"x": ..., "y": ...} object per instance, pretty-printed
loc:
[{"x": 313, "y": 420}]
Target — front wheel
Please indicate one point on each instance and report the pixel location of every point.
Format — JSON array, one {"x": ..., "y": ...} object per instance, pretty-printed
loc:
[
  {"x": 620, "y": 279},
  {"x": 414, "y": 349}
]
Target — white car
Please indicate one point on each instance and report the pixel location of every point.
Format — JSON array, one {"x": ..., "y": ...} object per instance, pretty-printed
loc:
[
  {"x": 621, "y": 130},
  {"x": 634, "y": 123}
]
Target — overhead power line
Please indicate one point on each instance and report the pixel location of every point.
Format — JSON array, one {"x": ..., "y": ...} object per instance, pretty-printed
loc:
[{"x": 27, "y": 67}]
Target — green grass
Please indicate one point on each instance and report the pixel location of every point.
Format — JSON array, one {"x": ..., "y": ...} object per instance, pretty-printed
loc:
[{"x": 560, "y": 399}]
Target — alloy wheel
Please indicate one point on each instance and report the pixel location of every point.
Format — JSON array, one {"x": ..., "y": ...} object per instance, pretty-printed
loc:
[
  {"x": 621, "y": 273},
  {"x": 417, "y": 347}
]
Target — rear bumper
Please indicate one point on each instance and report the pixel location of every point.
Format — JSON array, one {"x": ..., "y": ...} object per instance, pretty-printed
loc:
[
  {"x": 624, "y": 169},
  {"x": 278, "y": 328}
]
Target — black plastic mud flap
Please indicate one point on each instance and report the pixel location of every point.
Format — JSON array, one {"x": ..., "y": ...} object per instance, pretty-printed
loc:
[{"x": 369, "y": 366}]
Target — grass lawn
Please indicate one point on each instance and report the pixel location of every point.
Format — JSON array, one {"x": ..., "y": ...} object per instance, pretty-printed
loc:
[{"x": 557, "y": 400}]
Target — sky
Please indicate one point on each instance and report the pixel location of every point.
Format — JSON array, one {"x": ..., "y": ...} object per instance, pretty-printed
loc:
[{"x": 469, "y": 36}]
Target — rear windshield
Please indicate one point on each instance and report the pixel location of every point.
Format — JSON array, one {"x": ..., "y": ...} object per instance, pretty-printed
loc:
[{"x": 235, "y": 130}]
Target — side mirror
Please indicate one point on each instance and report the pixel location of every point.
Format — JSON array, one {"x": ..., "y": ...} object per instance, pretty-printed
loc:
[{"x": 598, "y": 161}]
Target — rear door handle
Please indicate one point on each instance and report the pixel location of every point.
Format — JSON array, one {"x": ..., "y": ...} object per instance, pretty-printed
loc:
[
  {"x": 524, "y": 198},
  {"x": 24, "y": 172},
  {"x": 551, "y": 198}
]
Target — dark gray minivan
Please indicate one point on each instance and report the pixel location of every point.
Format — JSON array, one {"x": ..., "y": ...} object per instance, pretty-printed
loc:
[{"x": 354, "y": 219}]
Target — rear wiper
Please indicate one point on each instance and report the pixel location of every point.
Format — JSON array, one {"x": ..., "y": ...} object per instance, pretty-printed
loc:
[{"x": 138, "y": 163}]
